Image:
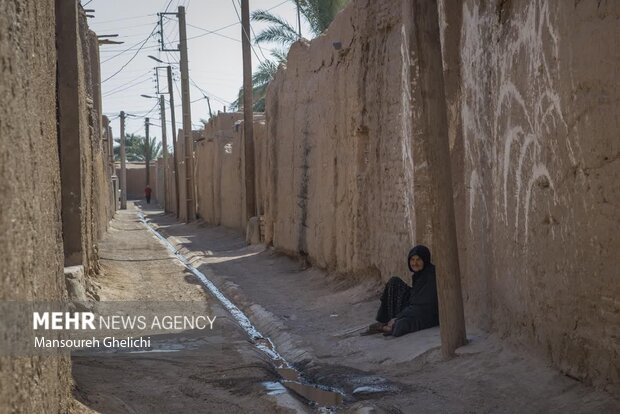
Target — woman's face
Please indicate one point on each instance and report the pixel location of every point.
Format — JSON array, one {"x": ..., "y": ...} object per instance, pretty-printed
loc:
[{"x": 416, "y": 263}]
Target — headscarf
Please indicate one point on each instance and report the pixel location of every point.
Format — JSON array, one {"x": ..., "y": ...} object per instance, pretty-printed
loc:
[{"x": 423, "y": 253}]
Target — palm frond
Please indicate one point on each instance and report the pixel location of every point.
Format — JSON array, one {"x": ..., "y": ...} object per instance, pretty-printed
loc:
[
  {"x": 276, "y": 34},
  {"x": 264, "y": 16},
  {"x": 280, "y": 56},
  {"x": 320, "y": 13},
  {"x": 279, "y": 30}
]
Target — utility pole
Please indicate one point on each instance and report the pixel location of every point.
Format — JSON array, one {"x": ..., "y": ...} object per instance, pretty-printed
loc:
[
  {"x": 209, "y": 106},
  {"x": 164, "y": 143},
  {"x": 187, "y": 119},
  {"x": 174, "y": 140},
  {"x": 248, "y": 112},
  {"x": 427, "y": 49},
  {"x": 298, "y": 18},
  {"x": 123, "y": 165},
  {"x": 147, "y": 152}
]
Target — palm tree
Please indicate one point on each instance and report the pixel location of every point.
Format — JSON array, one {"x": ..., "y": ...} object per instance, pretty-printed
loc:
[
  {"x": 136, "y": 148},
  {"x": 260, "y": 80},
  {"x": 318, "y": 13}
]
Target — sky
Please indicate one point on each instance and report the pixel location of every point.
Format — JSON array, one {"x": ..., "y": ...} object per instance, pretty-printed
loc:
[{"x": 214, "y": 50}]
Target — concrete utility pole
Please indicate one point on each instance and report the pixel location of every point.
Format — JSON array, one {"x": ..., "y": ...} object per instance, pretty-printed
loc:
[
  {"x": 427, "y": 48},
  {"x": 164, "y": 143},
  {"x": 123, "y": 165},
  {"x": 248, "y": 112},
  {"x": 187, "y": 119},
  {"x": 147, "y": 152},
  {"x": 174, "y": 140}
]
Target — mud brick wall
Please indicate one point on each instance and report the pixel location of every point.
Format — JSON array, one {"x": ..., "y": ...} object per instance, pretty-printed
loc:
[
  {"x": 540, "y": 153},
  {"x": 220, "y": 169},
  {"x": 532, "y": 91},
  {"x": 31, "y": 253},
  {"x": 136, "y": 180},
  {"x": 339, "y": 183}
]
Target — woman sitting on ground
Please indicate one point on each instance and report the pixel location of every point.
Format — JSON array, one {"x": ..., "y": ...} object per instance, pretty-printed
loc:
[{"x": 407, "y": 309}]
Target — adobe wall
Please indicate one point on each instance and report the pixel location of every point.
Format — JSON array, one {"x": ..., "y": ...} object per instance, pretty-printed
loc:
[
  {"x": 533, "y": 127},
  {"x": 171, "y": 187},
  {"x": 339, "y": 175},
  {"x": 31, "y": 252},
  {"x": 540, "y": 150},
  {"x": 136, "y": 179},
  {"x": 219, "y": 171}
]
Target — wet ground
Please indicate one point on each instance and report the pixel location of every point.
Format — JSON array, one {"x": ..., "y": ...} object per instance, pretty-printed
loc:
[{"x": 311, "y": 321}]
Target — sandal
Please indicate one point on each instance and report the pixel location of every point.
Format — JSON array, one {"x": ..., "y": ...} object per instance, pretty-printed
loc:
[{"x": 374, "y": 328}]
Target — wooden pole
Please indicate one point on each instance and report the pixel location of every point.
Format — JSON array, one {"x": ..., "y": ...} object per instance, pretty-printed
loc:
[
  {"x": 427, "y": 48},
  {"x": 174, "y": 140},
  {"x": 147, "y": 152},
  {"x": 164, "y": 143},
  {"x": 187, "y": 119},
  {"x": 123, "y": 165},
  {"x": 248, "y": 112}
]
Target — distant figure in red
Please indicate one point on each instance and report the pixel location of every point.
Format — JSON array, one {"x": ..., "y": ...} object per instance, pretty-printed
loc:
[{"x": 147, "y": 194}]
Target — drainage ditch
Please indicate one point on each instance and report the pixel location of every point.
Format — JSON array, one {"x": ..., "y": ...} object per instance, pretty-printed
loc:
[{"x": 315, "y": 394}]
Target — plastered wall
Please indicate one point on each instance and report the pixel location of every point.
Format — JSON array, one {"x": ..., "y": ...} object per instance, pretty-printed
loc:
[
  {"x": 540, "y": 150},
  {"x": 532, "y": 106},
  {"x": 31, "y": 253},
  {"x": 221, "y": 169}
]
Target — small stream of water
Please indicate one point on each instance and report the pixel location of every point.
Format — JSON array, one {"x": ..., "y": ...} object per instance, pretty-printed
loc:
[{"x": 291, "y": 379}]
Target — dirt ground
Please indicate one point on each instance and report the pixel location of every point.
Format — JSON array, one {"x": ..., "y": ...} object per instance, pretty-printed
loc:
[
  {"x": 217, "y": 371},
  {"x": 313, "y": 317},
  {"x": 314, "y": 320}
]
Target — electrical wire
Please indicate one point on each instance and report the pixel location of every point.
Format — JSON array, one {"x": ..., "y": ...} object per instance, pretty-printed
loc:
[
  {"x": 247, "y": 35},
  {"x": 126, "y": 18},
  {"x": 123, "y": 88},
  {"x": 254, "y": 33},
  {"x": 214, "y": 32},
  {"x": 133, "y": 57},
  {"x": 208, "y": 32}
]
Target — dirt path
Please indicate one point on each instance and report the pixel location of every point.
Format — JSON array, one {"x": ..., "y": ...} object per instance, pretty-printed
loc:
[
  {"x": 211, "y": 371},
  {"x": 310, "y": 316}
]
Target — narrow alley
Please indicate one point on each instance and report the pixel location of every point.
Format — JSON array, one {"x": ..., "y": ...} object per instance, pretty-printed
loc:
[
  {"x": 309, "y": 206},
  {"x": 372, "y": 373},
  {"x": 213, "y": 371}
]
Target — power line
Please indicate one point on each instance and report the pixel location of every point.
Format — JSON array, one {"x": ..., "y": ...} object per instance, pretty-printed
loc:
[
  {"x": 214, "y": 32},
  {"x": 125, "y": 87},
  {"x": 247, "y": 35},
  {"x": 254, "y": 33},
  {"x": 133, "y": 57},
  {"x": 116, "y": 28},
  {"x": 126, "y": 18},
  {"x": 166, "y": 9},
  {"x": 207, "y": 31},
  {"x": 205, "y": 93}
]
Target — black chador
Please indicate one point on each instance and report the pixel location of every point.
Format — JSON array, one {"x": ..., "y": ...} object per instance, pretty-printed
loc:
[{"x": 414, "y": 308}]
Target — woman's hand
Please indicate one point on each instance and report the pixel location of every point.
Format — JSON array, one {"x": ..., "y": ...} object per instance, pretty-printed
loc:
[{"x": 389, "y": 326}]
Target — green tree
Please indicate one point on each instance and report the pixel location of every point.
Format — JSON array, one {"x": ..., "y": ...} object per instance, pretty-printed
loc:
[
  {"x": 260, "y": 80},
  {"x": 136, "y": 148},
  {"x": 317, "y": 13}
]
